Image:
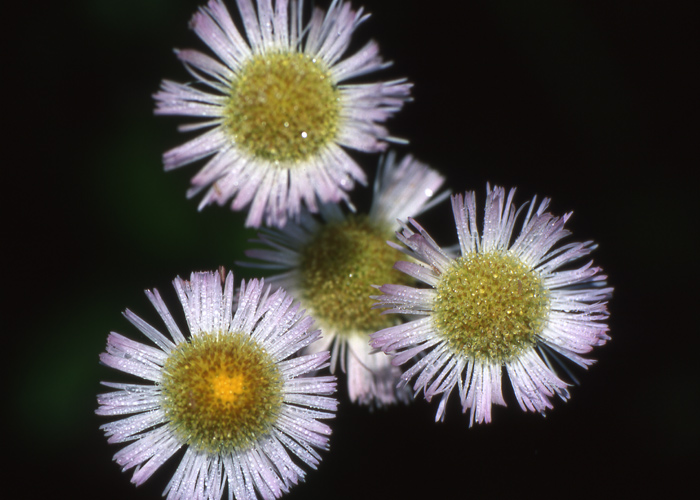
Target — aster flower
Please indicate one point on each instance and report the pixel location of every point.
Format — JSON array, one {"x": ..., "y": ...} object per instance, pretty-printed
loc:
[
  {"x": 502, "y": 304},
  {"x": 330, "y": 263},
  {"x": 277, "y": 107},
  {"x": 232, "y": 394}
]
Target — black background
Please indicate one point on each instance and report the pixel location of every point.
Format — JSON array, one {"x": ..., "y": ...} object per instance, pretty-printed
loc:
[{"x": 587, "y": 103}]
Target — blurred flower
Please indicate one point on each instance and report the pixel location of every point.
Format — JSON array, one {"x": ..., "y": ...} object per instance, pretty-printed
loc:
[
  {"x": 231, "y": 394},
  {"x": 330, "y": 265},
  {"x": 277, "y": 111},
  {"x": 498, "y": 305}
]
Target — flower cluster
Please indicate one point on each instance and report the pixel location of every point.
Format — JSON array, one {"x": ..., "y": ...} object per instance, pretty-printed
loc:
[{"x": 241, "y": 395}]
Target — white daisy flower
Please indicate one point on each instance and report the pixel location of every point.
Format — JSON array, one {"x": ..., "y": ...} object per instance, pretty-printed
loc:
[
  {"x": 278, "y": 109},
  {"x": 233, "y": 394},
  {"x": 330, "y": 265},
  {"x": 503, "y": 303}
]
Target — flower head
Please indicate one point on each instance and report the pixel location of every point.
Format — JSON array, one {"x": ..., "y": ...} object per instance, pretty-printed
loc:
[
  {"x": 277, "y": 108},
  {"x": 503, "y": 303},
  {"x": 330, "y": 265},
  {"x": 231, "y": 394}
]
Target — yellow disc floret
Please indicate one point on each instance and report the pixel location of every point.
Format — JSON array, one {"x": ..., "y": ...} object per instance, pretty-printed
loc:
[
  {"x": 221, "y": 392},
  {"x": 227, "y": 388},
  {"x": 338, "y": 268},
  {"x": 283, "y": 107},
  {"x": 490, "y": 306}
]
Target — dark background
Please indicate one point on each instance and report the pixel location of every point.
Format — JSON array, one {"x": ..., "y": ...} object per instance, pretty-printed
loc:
[{"x": 587, "y": 103}]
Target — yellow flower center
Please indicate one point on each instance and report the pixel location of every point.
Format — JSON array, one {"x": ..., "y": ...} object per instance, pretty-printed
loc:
[
  {"x": 227, "y": 388},
  {"x": 221, "y": 392},
  {"x": 339, "y": 267},
  {"x": 283, "y": 107},
  {"x": 490, "y": 306}
]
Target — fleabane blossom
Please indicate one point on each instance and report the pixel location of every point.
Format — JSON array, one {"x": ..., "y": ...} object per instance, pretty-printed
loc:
[
  {"x": 232, "y": 394},
  {"x": 508, "y": 303},
  {"x": 278, "y": 107},
  {"x": 329, "y": 263}
]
